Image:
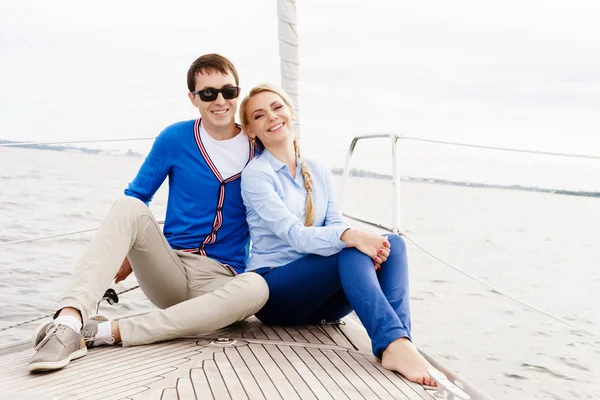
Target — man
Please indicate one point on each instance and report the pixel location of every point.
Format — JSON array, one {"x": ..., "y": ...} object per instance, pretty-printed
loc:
[{"x": 194, "y": 271}]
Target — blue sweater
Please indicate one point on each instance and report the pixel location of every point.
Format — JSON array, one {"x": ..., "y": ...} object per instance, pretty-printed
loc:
[{"x": 205, "y": 213}]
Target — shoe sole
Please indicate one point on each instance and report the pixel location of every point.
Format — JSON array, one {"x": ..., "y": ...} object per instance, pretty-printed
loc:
[{"x": 54, "y": 365}]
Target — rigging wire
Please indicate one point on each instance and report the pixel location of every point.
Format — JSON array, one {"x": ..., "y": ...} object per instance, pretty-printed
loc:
[
  {"x": 160, "y": 222},
  {"x": 502, "y": 293},
  {"x": 5, "y": 328},
  {"x": 46, "y": 237},
  {"x": 451, "y": 143},
  {"x": 17, "y": 144},
  {"x": 479, "y": 146},
  {"x": 492, "y": 288}
]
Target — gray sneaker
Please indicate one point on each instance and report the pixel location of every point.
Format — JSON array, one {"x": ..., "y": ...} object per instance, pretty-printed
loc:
[
  {"x": 40, "y": 334},
  {"x": 60, "y": 344},
  {"x": 90, "y": 330}
]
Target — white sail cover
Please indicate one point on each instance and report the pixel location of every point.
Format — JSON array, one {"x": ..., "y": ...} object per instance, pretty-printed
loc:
[{"x": 289, "y": 54}]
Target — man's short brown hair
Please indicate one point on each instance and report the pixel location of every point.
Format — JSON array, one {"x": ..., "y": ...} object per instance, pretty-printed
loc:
[{"x": 210, "y": 63}]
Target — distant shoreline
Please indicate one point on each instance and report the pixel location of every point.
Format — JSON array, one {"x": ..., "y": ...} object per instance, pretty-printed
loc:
[
  {"x": 62, "y": 147},
  {"x": 373, "y": 175},
  {"x": 336, "y": 171}
]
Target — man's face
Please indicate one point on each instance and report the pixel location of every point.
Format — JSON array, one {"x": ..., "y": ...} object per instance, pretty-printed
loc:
[{"x": 219, "y": 113}]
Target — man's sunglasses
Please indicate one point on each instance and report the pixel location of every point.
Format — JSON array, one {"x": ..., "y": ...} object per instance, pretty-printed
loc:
[{"x": 211, "y": 94}]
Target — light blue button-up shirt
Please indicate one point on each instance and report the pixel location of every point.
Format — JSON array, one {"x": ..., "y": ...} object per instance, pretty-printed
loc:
[{"x": 275, "y": 213}]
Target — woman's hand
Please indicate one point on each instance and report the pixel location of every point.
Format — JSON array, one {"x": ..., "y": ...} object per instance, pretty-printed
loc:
[{"x": 375, "y": 246}]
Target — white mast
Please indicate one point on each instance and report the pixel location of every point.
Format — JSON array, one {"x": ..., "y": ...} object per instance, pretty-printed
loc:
[{"x": 289, "y": 54}]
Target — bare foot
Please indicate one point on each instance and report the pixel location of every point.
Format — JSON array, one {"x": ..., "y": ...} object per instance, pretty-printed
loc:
[{"x": 402, "y": 356}]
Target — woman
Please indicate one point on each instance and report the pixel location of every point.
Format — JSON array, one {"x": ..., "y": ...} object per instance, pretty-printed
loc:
[{"x": 316, "y": 267}]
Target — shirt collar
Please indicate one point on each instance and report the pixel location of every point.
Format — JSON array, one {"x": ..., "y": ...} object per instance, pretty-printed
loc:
[
  {"x": 205, "y": 134},
  {"x": 276, "y": 164}
]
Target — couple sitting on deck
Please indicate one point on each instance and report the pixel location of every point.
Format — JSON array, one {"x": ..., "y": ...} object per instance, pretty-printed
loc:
[{"x": 229, "y": 185}]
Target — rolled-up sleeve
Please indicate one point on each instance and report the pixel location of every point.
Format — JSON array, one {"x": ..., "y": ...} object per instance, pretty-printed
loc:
[
  {"x": 152, "y": 173},
  {"x": 260, "y": 197}
]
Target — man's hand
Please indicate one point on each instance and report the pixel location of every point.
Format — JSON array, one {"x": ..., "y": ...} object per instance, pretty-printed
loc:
[{"x": 124, "y": 271}]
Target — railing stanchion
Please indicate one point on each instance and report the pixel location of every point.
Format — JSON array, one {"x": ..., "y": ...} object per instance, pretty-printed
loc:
[
  {"x": 396, "y": 180},
  {"x": 346, "y": 171}
]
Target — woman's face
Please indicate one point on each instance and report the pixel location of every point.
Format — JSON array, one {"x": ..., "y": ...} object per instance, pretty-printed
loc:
[{"x": 269, "y": 119}]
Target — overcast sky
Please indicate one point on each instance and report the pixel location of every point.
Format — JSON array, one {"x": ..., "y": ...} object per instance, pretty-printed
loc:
[{"x": 509, "y": 73}]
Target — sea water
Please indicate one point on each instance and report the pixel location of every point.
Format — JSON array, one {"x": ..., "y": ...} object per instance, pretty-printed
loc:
[{"x": 540, "y": 248}]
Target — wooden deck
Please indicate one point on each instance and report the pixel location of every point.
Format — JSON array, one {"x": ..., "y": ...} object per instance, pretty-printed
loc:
[{"x": 257, "y": 362}]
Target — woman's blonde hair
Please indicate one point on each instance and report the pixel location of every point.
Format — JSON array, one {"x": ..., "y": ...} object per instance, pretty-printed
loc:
[{"x": 309, "y": 208}]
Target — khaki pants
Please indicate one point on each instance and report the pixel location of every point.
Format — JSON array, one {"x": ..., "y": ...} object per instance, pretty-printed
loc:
[{"x": 195, "y": 294}]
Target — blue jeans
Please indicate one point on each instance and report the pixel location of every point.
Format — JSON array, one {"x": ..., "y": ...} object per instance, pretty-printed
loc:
[{"x": 316, "y": 288}]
